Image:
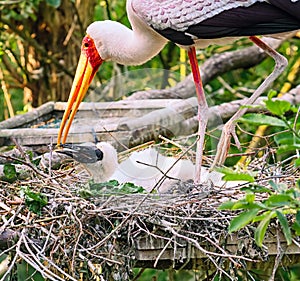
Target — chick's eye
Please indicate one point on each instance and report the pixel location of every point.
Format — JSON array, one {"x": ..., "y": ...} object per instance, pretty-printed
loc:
[
  {"x": 86, "y": 45},
  {"x": 99, "y": 154}
]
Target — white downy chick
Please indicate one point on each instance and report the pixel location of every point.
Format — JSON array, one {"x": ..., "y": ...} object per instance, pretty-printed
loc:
[{"x": 147, "y": 168}]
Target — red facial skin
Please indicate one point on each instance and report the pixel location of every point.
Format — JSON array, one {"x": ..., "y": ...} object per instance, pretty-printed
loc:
[{"x": 89, "y": 49}]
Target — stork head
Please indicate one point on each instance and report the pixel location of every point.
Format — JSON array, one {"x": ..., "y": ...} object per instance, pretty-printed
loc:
[
  {"x": 106, "y": 40},
  {"x": 89, "y": 62},
  {"x": 101, "y": 43}
]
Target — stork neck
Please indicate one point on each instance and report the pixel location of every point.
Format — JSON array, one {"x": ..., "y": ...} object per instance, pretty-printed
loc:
[
  {"x": 136, "y": 47},
  {"x": 141, "y": 43},
  {"x": 118, "y": 43}
]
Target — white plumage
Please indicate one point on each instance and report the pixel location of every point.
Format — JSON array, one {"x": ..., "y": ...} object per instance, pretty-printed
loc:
[
  {"x": 124, "y": 46},
  {"x": 147, "y": 168},
  {"x": 102, "y": 171}
]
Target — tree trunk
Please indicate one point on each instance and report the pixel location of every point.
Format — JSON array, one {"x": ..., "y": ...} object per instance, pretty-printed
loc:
[{"x": 49, "y": 49}]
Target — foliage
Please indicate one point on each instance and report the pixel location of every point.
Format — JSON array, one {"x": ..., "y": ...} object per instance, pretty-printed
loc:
[
  {"x": 10, "y": 172},
  {"x": 112, "y": 187},
  {"x": 281, "y": 201},
  {"x": 232, "y": 175},
  {"x": 35, "y": 201},
  {"x": 284, "y": 123},
  {"x": 27, "y": 272}
]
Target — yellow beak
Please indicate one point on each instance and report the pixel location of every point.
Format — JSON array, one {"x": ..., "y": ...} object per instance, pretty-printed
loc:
[{"x": 88, "y": 65}]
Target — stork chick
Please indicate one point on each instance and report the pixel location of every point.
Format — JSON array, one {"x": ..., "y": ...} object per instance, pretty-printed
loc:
[
  {"x": 147, "y": 168},
  {"x": 100, "y": 160}
]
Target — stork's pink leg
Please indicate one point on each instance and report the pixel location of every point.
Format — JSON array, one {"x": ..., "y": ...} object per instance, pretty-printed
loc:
[
  {"x": 229, "y": 127},
  {"x": 202, "y": 112}
]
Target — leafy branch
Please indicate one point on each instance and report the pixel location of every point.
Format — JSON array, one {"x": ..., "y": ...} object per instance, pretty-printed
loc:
[
  {"x": 284, "y": 122},
  {"x": 281, "y": 202}
]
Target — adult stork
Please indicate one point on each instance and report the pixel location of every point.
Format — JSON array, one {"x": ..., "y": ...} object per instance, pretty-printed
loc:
[{"x": 190, "y": 24}]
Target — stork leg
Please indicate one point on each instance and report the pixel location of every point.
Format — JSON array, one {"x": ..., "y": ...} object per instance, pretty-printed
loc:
[
  {"x": 202, "y": 112},
  {"x": 229, "y": 127}
]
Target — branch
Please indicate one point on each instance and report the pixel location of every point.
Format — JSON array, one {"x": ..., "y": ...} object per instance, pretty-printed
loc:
[
  {"x": 180, "y": 118},
  {"x": 38, "y": 47}
]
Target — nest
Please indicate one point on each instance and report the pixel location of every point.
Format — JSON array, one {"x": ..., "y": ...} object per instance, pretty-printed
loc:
[{"x": 80, "y": 236}]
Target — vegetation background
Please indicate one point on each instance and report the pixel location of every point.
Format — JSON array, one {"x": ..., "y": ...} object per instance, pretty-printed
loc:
[{"x": 40, "y": 45}]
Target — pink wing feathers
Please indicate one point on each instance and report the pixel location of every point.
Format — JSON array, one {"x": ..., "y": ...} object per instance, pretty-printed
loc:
[{"x": 180, "y": 14}]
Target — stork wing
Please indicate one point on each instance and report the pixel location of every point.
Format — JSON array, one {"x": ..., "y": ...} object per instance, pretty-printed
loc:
[
  {"x": 186, "y": 21},
  {"x": 290, "y": 6},
  {"x": 180, "y": 14}
]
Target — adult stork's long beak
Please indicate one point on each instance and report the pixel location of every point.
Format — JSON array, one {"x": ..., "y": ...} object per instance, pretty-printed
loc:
[{"x": 88, "y": 65}]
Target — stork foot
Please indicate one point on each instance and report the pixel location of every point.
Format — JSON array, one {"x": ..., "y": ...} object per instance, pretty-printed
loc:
[{"x": 224, "y": 143}]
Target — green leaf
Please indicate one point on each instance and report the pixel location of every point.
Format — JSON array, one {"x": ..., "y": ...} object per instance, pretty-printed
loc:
[
  {"x": 260, "y": 231},
  {"x": 261, "y": 119},
  {"x": 130, "y": 188},
  {"x": 279, "y": 200},
  {"x": 272, "y": 94},
  {"x": 278, "y": 107},
  {"x": 101, "y": 185},
  {"x": 9, "y": 171},
  {"x": 35, "y": 201},
  {"x": 231, "y": 175},
  {"x": 242, "y": 220},
  {"x": 285, "y": 226},
  {"x": 250, "y": 197},
  {"x": 274, "y": 186},
  {"x": 240, "y": 204},
  {"x": 228, "y": 205},
  {"x": 297, "y": 162},
  {"x": 256, "y": 189},
  {"x": 86, "y": 193},
  {"x": 113, "y": 187},
  {"x": 287, "y": 148},
  {"x": 286, "y": 138},
  {"x": 296, "y": 225},
  {"x": 238, "y": 177},
  {"x": 26, "y": 272},
  {"x": 54, "y": 3},
  {"x": 295, "y": 195}
]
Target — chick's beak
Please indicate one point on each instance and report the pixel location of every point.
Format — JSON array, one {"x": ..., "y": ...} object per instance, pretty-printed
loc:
[
  {"x": 88, "y": 64},
  {"x": 84, "y": 153}
]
